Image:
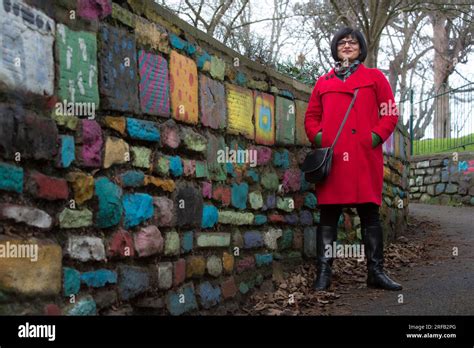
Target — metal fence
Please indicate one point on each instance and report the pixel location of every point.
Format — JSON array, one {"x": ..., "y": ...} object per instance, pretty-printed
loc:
[{"x": 440, "y": 123}]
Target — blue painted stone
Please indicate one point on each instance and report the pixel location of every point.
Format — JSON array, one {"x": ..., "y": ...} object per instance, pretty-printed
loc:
[
  {"x": 453, "y": 169},
  {"x": 310, "y": 200},
  {"x": 132, "y": 178},
  {"x": 143, "y": 130},
  {"x": 176, "y": 166},
  {"x": 84, "y": 307},
  {"x": 99, "y": 278},
  {"x": 71, "y": 281},
  {"x": 463, "y": 166},
  {"x": 253, "y": 239},
  {"x": 177, "y": 42},
  {"x": 253, "y": 175},
  {"x": 439, "y": 188},
  {"x": 209, "y": 296},
  {"x": 291, "y": 219},
  {"x": 110, "y": 203},
  {"x": 445, "y": 162},
  {"x": 401, "y": 194},
  {"x": 202, "y": 59},
  {"x": 309, "y": 241},
  {"x": 187, "y": 242},
  {"x": 286, "y": 93},
  {"x": 229, "y": 168},
  {"x": 190, "y": 49},
  {"x": 263, "y": 259},
  {"x": 67, "y": 151},
  {"x": 260, "y": 219},
  {"x": 444, "y": 176},
  {"x": 270, "y": 202},
  {"x": 175, "y": 303},
  {"x": 305, "y": 186},
  {"x": 240, "y": 79},
  {"x": 239, "y": 195},
  {"x": 210, "y": 216},
  {"x": 281, "y": 159},
  {"x": 138, "y": 207},
  {"x": 132, "y": 281},
  {"x": 11, "y": 178},
  {"x": 306, "y": 218}
]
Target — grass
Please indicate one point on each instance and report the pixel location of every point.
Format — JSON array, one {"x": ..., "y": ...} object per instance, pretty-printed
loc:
[{"x": 432, "y": 146}]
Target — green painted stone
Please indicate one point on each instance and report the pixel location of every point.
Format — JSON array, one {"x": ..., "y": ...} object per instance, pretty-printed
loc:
[
  {"x": 286, "y": 240},
  {"x": 212, "y": 239},
  {"x": 259, "y": 279},
  {"x": 287, "y": 204},
  {"x": 270, "y": 180},
  {"x": 201, "y": 169},
  {"x": 260, "y": 85},
  {"x": 233, "y": 218},
  {"x": 172, "y": 243},
  {"x": 244, "y": 288},
  {"x": 217, "y": 68},
  {"x": 70, "y": 218},
  {"x": 162, "y": 166},
  {"x": 214, "y": 266},
  {"x": 193, "y": 141},
  {"x": 69, "y": 122},
  {"x": 141, "y": 156},
  {"x": 256, "y": 200}
]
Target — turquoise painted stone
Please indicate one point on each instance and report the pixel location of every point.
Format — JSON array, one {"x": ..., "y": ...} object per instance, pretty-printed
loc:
[
  {"x": 71, "y": 281},
  {"x": 138, "y": 208},
  {"x": 11, "y": 178},
  {"x": 132, "y": 178},
  {"x": 176, "y": 166},
  {"x": 239, "y": 195},
  {"x": 210, "y": 216},
  {"x": 67, "y": 151},
  {"x": 110, "y": 203},
  {"x": 143, "y": 130},
  {"x": 263, "y": 259},
  {"x": 99, "y": 278}
]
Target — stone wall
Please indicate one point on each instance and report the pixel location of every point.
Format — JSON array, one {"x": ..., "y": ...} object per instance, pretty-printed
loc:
[
  {"x": 446, "y": 179},
  {"x": 112, "y": 116}
]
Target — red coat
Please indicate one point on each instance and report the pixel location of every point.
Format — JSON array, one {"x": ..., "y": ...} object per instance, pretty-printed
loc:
[{"x": 356, "y": 174}]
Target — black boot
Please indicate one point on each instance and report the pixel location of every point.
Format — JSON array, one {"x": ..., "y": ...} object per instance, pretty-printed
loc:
[
  {"x": 376, "y": 278},
  {"x": 325, "y": 235}
]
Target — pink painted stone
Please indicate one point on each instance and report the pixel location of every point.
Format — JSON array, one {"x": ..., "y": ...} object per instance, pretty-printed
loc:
[
  {"x": 91, "y": 144},
  {"x": 179, "y": 268},
  {"x": 189, "y": 167},
  {"x": 264, "y": 155},
  {"x": 245, "y": 264},
  {"x": 94, "y": 9},
  {"x": 291, "y": 180},
  {"x": 207, "y": 189},
  {"x": 164, "y": 212},
  {"x": 170, "y": 134},
  {"x": 148, "y": 241},
  {"x": 121, "y": 244}
]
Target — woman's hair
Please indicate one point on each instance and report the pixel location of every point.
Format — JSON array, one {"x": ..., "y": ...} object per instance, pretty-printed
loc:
[{"x": 353, "y": 33}]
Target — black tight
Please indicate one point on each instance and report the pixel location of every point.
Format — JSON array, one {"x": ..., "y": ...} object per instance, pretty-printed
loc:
[{"x": 368, "y": 213}]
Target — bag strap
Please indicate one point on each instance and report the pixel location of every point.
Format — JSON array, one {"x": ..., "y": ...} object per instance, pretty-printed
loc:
[{"x": 345, "y": 117}]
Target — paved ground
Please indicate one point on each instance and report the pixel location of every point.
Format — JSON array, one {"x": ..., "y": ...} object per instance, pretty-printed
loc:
[{"x": 442, "y": 286}]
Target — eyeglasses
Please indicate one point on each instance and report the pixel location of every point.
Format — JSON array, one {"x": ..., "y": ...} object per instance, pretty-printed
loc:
[{"x": 342, "y": 43}]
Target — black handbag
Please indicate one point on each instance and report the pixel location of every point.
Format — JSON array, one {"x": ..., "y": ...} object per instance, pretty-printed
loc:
[{"x": 317, "y": 164}]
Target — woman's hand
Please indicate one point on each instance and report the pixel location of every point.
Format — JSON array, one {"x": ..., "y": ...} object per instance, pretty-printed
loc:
[
  {"x": 375, "y": 140},
  {"x": 318, "y": 138}
]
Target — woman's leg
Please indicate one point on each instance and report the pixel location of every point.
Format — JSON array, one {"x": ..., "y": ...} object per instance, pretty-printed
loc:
[
  {"x": 372, "y": 235},
  {"x": 326, "y": 234}
]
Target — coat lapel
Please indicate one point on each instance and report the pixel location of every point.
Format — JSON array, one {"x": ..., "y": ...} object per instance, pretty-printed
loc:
[{"x": 357, "y": 79}]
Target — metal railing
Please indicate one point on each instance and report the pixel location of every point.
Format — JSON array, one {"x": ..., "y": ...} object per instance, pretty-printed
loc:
[{"x": 440, "y": 123}]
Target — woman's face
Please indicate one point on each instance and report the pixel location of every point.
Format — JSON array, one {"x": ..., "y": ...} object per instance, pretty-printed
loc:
[{"x": 348, "y": 48}]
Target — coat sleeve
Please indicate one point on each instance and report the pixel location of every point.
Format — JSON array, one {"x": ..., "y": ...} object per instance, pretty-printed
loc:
[
  {"x": 388, "y": 111},
  {"x": 312, "y": 120}
]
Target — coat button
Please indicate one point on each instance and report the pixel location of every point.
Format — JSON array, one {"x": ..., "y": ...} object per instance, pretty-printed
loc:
[
  {"x": 353, "y": 131},
  {"x": 327, "y": 78}
]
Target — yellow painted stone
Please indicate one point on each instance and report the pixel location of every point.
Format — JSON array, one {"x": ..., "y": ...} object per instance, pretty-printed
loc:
[
  {"x": 82, "y": 185},
  {"x": 166, "y": 185},
  {"x": 228, "y": 262},
  {"x": 117, "y": 151},
  {"x": 195, "y": 266},
  {"x": 184, "y": 91},
  {"x": 23, "y": 275},
  {"x": 117, "y": 123},
  {"x": 148, "y": 34},
  {"x": 240, "y": 111}
]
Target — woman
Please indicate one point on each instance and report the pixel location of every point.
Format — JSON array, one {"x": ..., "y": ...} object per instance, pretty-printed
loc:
[{"x": 356, "y": 176}]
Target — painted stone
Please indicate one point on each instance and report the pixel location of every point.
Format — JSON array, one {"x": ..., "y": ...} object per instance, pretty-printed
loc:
[
  {"x": 212, "y": 103},
  {"x": 264, "y": 118},
  {"x": 240, "y": 108}
]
